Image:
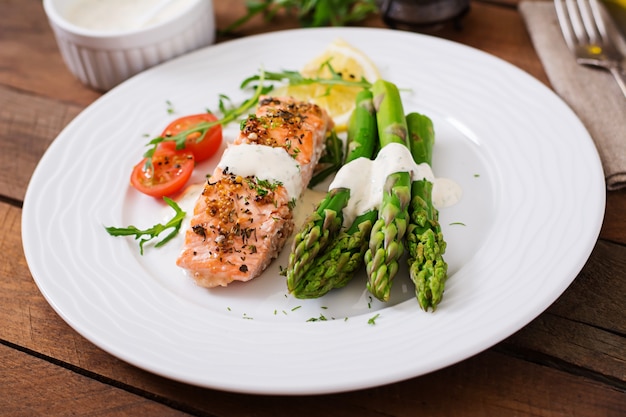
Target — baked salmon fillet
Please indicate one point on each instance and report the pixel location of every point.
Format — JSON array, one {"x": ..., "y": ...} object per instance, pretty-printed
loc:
[{"x": 243, "y": 217}]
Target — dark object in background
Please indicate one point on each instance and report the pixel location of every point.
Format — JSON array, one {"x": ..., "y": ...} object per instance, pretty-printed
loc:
[{"x": 422, "y": 14}]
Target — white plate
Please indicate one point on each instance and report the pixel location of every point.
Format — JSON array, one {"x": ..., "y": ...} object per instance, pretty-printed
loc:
[{"x": 531, "y": 212}]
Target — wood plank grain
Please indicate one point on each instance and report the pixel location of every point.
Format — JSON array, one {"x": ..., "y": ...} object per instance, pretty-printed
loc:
[
  {"x": 577, "y": 347},
  {"x": 614, "y": 226},
  {"x": 495, "y": 385},
  {"x": 32, "y": 387},
  {"x": 490, "y": 384},
  {"x": 596, "y": 297},
  {"x": 30, "y": 58},
  {"x": 586, "y": 327},
  {"x": 28, "y": 124}
]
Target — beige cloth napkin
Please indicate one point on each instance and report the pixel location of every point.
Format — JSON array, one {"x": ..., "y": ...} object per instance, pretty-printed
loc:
[{"x": 591, "y": 93}]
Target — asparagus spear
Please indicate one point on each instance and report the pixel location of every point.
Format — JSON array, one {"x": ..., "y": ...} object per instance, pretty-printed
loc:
[
  {"x": 335, "y": 266},
  {"x": 425, "y": 242},
  {"x": 321, "y": 227},
  {"x": 386, "y": 239},
  {"x": 362, "y": 134}
]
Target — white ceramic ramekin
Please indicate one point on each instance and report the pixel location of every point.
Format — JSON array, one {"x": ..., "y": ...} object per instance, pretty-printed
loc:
[{"x": 102, "y": 60}]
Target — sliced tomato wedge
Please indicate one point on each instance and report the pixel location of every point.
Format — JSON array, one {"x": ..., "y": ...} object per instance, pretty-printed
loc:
[
  {"x": 169, "y": 172},
  {"x": 203, "y": 143}
]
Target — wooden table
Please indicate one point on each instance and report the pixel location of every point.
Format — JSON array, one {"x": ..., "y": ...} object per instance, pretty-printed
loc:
[{"x": 570, "y": 361}]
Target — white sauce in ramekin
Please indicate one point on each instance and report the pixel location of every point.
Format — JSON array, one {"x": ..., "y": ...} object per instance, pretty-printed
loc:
[{"x": 121, "y": 15}]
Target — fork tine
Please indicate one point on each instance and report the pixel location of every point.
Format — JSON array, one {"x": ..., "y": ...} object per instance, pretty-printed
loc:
[
  {"x": 599, "y": 15},
  {"x": 577, "y": 20},
  {"x": 590, "y": 20},
  {"x": 588, "y": 33},
  {"x": 565, "y": 23}
]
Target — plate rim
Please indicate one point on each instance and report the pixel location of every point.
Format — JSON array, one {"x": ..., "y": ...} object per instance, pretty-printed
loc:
[{"x": 256, "y": 388}]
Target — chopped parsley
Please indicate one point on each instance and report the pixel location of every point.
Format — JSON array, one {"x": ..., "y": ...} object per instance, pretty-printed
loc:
[
  {"x": 372, "y": 320},
  {"x": 320, "y": 318},
  {"x": 170, "y": 107},
  {"x": 146, "y": 235}
]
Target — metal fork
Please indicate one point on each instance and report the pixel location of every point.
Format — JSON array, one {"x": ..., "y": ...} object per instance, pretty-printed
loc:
[{"x": 588, "y": 33}]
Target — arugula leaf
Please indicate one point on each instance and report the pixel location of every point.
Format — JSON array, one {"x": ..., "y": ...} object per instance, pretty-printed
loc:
[
  {"x": 296, "y": 78},
  {"x": 153, "y": 232}
]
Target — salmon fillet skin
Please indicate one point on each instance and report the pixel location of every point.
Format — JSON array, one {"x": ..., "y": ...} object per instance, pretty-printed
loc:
[{"x": 242, "y": 219}]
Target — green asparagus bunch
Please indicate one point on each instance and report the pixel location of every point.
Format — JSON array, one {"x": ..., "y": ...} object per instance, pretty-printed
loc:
[
  {"x": 386, "y": 239},
  {"x": 362, "y": 132},
  {"x": 326, "y": 254},
  {"x": 425, "y": 242},
  {"x": 335, "y": 266}
]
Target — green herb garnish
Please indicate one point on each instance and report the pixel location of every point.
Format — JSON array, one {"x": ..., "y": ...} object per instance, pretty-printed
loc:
[
  {"x": 320, "y": 318},
  {"x": 153, "y": 232},
  {"x": 262, "y": 187},
  {"x": 170, "y": 107},
  {"x": 372, "y": 320},
  {"x": 294, "y": 78}
]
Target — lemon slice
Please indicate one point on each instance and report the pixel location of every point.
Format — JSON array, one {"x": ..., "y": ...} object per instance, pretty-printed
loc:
[{"x": 338, "y": 100}]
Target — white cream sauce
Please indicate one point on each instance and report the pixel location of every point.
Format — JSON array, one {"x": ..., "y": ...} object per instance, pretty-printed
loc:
[
  {"x": 446, "y": 193},
  {"x": 307, "y": 204},
  {"x": 266, "y": 163},
  {"x": 121, "y": 15},
  {"x": 365, "y": 178}
]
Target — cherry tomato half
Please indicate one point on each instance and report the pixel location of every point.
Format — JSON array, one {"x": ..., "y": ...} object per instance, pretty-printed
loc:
[
  {"x": 202, "y": 148},
  {"x": 171, "y": 169}
]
